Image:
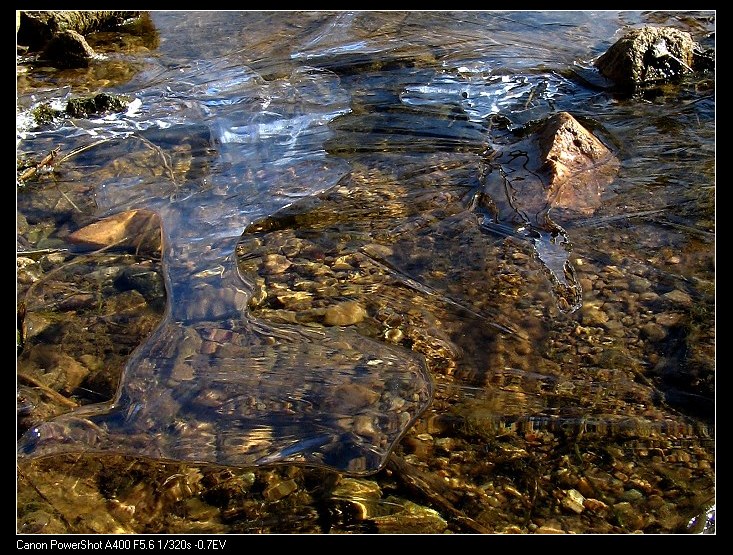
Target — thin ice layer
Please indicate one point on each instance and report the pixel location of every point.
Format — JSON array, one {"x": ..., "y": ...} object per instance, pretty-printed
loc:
[
  {"x": 212, "y": 385},
  {"x": 234, "y": 393}
]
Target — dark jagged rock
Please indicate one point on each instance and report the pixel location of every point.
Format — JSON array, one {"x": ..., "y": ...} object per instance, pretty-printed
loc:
[
  {"x": 82, "y": 107},
  {"x": 98, "y": 104},
  {"x": 652, "y": 54}
]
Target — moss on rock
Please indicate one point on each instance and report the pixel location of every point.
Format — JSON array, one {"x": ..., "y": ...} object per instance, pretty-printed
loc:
[{"x": 101, "y": 103}]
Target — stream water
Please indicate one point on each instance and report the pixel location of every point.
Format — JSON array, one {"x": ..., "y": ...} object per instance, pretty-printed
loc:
[{"x": 339, "y": 332}]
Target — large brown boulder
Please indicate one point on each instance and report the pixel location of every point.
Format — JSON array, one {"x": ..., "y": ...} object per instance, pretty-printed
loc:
[{"x": 651, "y": 54}]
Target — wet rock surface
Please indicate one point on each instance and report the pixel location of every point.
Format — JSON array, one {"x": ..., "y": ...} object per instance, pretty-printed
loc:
[
  {"x": 99, "y": 104},
  {"x": 652, "y": 54},
  {"x": 37, "y": 27},
  {"x": 579, "y": 166}
]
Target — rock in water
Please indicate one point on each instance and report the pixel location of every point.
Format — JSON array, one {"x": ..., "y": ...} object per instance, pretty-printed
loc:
[
  {"x": 561, "y": 168},
  {"x": 344, "y": 314},
  {"x": 136, "y": 229},
  {"x": 650, "y": 54},
  {"x": 577, "y": 164},
  {"x": 36, "y": 28},
  {"x": 68, "y": 49}
]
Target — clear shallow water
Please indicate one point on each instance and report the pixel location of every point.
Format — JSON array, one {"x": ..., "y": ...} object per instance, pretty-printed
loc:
[{"x": 322, "y": 334}]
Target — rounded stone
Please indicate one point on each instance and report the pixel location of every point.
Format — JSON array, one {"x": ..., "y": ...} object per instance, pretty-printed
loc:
[
  {"x": 653, "y": 332},
  {"x": 275, "y": 263},
  {"x": 344, "y": 314},
  {"x": 668, "y": 319},
  {"x": 679, "y": 297}
]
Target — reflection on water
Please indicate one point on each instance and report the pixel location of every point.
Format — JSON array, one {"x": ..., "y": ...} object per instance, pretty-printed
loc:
[{"x": 352, "y": 267}]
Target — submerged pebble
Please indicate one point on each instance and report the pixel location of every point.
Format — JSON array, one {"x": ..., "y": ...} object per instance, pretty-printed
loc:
[{"x": 344, "y": 314}]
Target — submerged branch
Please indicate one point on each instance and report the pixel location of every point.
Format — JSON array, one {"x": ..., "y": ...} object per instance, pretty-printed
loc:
[{"x": 57, "y": 397}]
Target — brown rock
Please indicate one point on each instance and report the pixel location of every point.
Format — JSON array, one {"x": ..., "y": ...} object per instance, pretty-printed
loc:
[
  {"x": 585, "y": 488},
  {"x": 344, "y": 314},
  {"x": 647, "y": 55},
  {"x": 639, "y": 284},
  {"x": 653, "y": 332},
  {"x": 56, "y": 369},
  {"x": 668, "y": 319},
  {"x": 196, "y": 509},
  {"x": 68, "y": 49},
  {"x": 275, "y": 263},
  {"x": 595, "y": 505},
  {"x": 349, "y": 398},
  {"x": 592, "y": 315},
  {"x": 627, "y": 516},
  {"x": 679, "y": 297},
  {"x": 278, "y": 490},
  {"x": 549, "y": 530},
  {"x": 411, "y": 519},
  {"x": 355, "y": 488},
  {"x": 36, "y": 28},
  {"x": 577, "y": 164},
  {"x": 136, "y": 229},
  {"x": 573, "y": 501}
]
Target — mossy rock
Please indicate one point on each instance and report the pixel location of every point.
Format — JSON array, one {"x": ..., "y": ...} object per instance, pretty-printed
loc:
[
  {"x": 651, "y": 55},
  {"x": 101, "y": 103}
]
